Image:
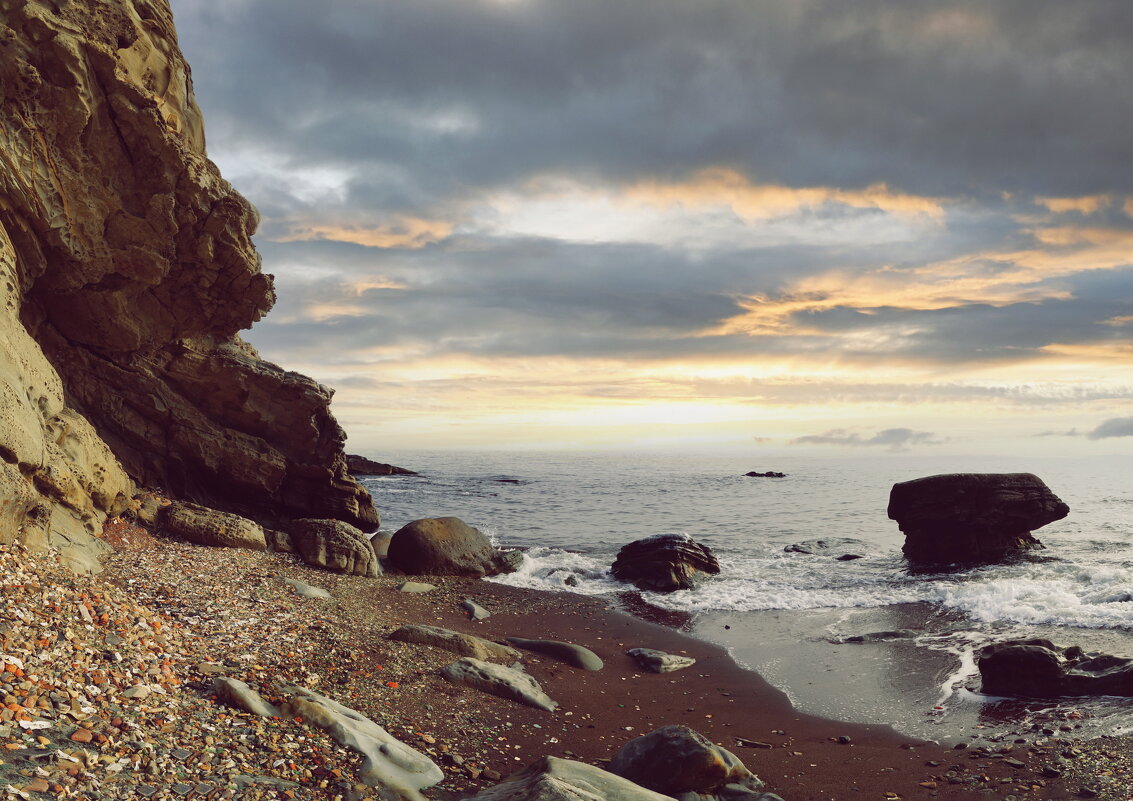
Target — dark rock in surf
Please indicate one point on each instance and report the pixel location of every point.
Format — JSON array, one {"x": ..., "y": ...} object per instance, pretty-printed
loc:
[
  {"x": 768, "y": 474},
  {"x": 825, "y": 547},
  {"x": 881, "y": 636},
  {"x": 972, "y": 517},
  {"x": 361, "y": 466},
  {"x": 447, "y": 546},
  {"x": 1038, "y": 668},
  {"x": 675, "y": 759},
  {"x": 664, "y": 562}
]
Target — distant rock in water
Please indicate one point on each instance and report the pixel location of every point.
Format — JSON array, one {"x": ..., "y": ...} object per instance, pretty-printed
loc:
[
  {"x": 1038, "y": 668},
  {"x": 664, "y": 562},
  {"x": 769, "y": 474},
  {"x": 361, "y": 466},
  {"x": 849, "y": 547},
  {"x": 972, "y": 517}
]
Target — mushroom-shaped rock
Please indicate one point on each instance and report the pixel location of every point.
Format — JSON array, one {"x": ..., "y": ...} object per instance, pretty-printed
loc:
[
  {"x": 398, "y": 771},
  {"x": 659, "y": 661},
  {"x": 1038, "y": 668},
  {"x": 335, "y": 546},
  {"x": 447, "y": 546},
  {"x": 506, "y": 682},
  {"x": 458, "y": 643},
  {"x": 204, "y": 526},
  {"x": 972, "y": 517},
  {"x": 675, "y": 759},
  {"x": 554, "y": 779},
  {"x": 574, "y": 655},
  {"x": 664, "y": 562}
]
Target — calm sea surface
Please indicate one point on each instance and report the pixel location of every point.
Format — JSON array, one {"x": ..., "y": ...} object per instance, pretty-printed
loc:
[{"x": 781, "y": 613}]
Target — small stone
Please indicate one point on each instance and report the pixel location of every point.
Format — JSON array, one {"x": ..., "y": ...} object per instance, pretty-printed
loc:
[
  {"x": 82, "y": 735},
  {"x": 1087, "y": 792},
  {"x": 491, "y": 775},
  {"x": 960, "y": 746},
  {"x": 1051, "y": 772},
  {"x": 844, "y": 740},
  {"x": 1015, "y": 763},
  {"x": 37, "y": 786}
]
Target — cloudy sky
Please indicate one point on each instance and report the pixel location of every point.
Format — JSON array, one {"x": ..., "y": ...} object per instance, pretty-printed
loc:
[{"x": 760, "y": 224}]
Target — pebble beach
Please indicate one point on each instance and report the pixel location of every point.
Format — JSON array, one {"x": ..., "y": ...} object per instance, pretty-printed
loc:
[{"x": 107, "y": 691}]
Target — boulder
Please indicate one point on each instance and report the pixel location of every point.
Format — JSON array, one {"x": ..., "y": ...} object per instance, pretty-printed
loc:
[
  {"x": 458, "y": 643},
  {"x": 361, "y": 466},
  {"x": 972, "y": 517},
  {"x": 398, "y": 771},
  {"x": 446, "y": 546},
  {"x": 675, "y": 759},
  {"x": 664, "y": 562},
  {"x": 474, "y": 610},
  {"x": 335, "y": 546},
  {"x": 659, "y": 661},
  {"x": 573, "y": 655},
  {"x": 204, "y": 526},
  {"x": 554, "y": 779},
  {"x": 307, "y": 590},
  {"x": 1038, "y": 668},
  {"x": 505, "y": 682}
]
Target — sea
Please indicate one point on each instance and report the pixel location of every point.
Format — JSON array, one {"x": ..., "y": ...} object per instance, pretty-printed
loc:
[{"x": 786, "y": 614}]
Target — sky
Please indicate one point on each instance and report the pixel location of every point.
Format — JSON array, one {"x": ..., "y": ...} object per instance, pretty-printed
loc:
[{"x": 775, "y": 226}]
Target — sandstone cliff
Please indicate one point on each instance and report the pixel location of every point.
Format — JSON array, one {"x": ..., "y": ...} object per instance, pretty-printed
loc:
[{"x": 127, "y": 271}]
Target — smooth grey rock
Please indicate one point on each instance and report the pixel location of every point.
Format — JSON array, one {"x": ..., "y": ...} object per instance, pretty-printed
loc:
[
  {"x": 574, "y": 655},
  {"x": 138, "y": 692},
  {"x": 380, "y": 543},
  {"x": 307, "y": 590},
  {"x": 554, "y": 779},
  {"x": 659, "y": 661},
  {"x": 236, "y": 693},
  {"x": 506, "y": 682},
  {"x": 416, "y": 586},
  {"x": 675, "y": 759},
  {"x": 390, "y": 765},
  {"x": 475, "y": 611},
  {"x": 458, "y": 643}
]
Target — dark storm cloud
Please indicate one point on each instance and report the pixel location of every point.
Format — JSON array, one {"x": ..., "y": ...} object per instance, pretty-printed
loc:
[
  {"x": 1115, "y": 427},
  {"x": 425, "y": 98},
  {"x": 893, "y": 438}
]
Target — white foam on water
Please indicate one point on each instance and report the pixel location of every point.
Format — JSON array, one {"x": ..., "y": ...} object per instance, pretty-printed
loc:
[
  {"x": 1065, "y": 594},
  {"x": 554, "y": 569}
]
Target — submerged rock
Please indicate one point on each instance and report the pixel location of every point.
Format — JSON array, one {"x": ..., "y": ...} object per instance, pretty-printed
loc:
[
  {"x": 675, "y": 760},
  {"x": 554, "y": 779},
  {"x": 447, "y": 546},
  {"x": 768, "y": 474},
  {"x": 1038, "y": 668},
  {"x": 828, "y": 546},
  {"x": 664, "y": 562},
  {"x": 972, "y": 517}
]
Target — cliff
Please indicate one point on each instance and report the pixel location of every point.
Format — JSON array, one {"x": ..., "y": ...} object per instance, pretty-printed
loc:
[{"x": 127, "y": 273}]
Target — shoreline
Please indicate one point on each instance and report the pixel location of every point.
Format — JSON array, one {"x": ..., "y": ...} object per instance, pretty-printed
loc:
[{"x": 340, "y": 648}]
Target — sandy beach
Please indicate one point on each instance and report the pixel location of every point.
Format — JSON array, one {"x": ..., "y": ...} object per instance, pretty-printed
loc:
[{"x": 241, "y": 613}]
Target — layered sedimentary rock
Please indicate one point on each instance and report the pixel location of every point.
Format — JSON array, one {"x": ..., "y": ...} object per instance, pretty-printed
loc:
[
  {"x": 126, "y": 271},
  {"x": 664, "y": 562}
]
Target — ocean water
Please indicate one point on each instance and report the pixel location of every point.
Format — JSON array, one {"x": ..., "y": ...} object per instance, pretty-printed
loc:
[{"x": 782, "y": 613}]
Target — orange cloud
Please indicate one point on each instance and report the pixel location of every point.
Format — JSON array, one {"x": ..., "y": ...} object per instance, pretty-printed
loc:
[
  {"x": 402, "y": 232},
  {"x": 1087, "y": 204}
]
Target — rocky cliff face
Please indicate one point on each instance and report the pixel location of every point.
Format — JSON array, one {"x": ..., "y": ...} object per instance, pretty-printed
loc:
[{"x": 126, "y": 271}]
